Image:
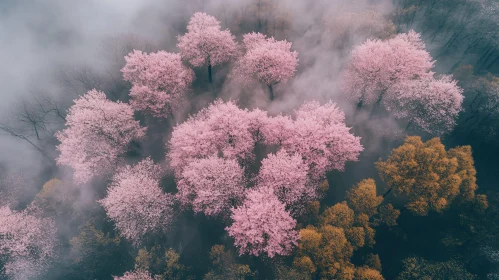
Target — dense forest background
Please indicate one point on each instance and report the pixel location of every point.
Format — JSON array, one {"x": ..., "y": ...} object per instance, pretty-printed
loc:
[{"x": 55, "y": 51}]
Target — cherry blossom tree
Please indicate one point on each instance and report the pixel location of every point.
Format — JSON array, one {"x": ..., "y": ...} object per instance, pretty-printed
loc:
[
  {"x": 97, "y": 133},
  {"x": 211, "y": 185},
  {"x": 286, "y": 175},
  {"x": 319, "y": 135},
  {"x": 377, "y": 65},
  {"x": 277, "y": 129},
  {"x": 431, "y": 104},
  {"x": 13, "y": 188},
  {"x": 262, "y": 225},
  {"x": 136, "y": 275},
  {"x": 28, "y": 243},
  {"x": 266, "y": 60},
  {"x": 205, "y": 43},
  {"x": 159, "y": 81},
  {"x": 222, "y": 129},
  {"x": 136, "y": 203}
]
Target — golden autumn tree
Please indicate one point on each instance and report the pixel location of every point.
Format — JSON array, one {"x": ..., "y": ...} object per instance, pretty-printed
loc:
[
  {"x": 363, "y": 199},
  {"x": 54, "y": 199},
  {"x": 325, "y": 250},
  {"x": 367, "y": 273},
  {"x": 428, "y": 176}
]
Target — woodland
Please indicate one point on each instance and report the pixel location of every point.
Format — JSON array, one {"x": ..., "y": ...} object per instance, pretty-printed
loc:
[{"x": 271, "y": 140}]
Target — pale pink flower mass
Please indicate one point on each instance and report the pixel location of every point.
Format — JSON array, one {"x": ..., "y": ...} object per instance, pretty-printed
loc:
[
  {"x": 214, "y": 145},
  {"x": 136, "y": 203},
  {"x": 266, "y": 60},
  {"x": 159, "y": 81},
  {"x": 28, "y": 242},
  {"x": 205, "y": 44},
  {"x": 262, "y": 225},
  {"x": 377, "y": 65},
  {"x": 98, "y": 131},
  {"x": 135, "y": 275},
  {"x": 397, "y": 73},
  {"x": 319, "y": 135},
  {"x": 286, "y": 175},
  {"x": 211, "y": 185},
  {"x": 222, "y": 128},
  {"x": 431, "y": 104}
]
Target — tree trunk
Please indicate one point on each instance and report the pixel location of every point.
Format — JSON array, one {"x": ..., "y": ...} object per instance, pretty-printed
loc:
[
  {"x": 387, "y": 192},
  {"x": 209, "y": 73},
  {"x": 359, "y": 107},
  {"x": 408, "y": 126},
  {"x": 376, "y": 105},
  {"x": 360, "y": 104},
  {"x": 271, "y": 90}
]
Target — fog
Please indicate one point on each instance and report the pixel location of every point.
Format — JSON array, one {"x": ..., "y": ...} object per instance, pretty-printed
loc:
[{"x": 39, "y": 39}]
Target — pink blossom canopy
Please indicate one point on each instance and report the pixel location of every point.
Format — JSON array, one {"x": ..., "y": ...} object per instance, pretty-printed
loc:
[
  {"x": 377, "y": 65},
  {"x": 211, "y": 185},
  {"x": 159, "y": 81},
  {"x": 135, "y": 275},
  {"x": 266, "y": 60},
  {"x": 98, "y": 131},
  {"x": 286, "y": 175},
  {"x": 205, "y": 43},
  {"x": 30, "y": 243},
  {"x": 222, "y": 128},
  {"x": 262, "y": 225},
  {"x": 432, "y": 104},
  {"x": 136, "y": 203},
  {"x": 319, "y": 135}
]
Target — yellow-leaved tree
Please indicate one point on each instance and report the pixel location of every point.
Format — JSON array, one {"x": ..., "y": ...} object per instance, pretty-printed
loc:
[
  {"x": 428, "y": 176},
  {"x": 325, "y": 250}
]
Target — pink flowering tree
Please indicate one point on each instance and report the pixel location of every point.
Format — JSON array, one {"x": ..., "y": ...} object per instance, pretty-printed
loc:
[
  {"x": 98, "y": 131},
  {"x": 28, "y": 244},
  {"x": 13, "y": 187},
  {"x": 262, "y": 225},
  {"x": 136, "y": 275},
  {"x": 277, "y": 129},
  {"x": 211, "y": 185},
  {"x": 221, "y": 129},
  {"x": 159, "y": 81},
  {"x": 136, "y": 203},
  {"x": 205, "y": 44},
  {"x": 375, "y": 66},
  {"x": 319, "y": 135},
  {"x": 266, "y": 60},
  {"x": 430, "y": 104},
  {"x": 286, "y": 175}
]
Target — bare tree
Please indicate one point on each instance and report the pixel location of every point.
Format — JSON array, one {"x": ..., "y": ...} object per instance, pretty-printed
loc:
[{"x": 35, "y": 121}]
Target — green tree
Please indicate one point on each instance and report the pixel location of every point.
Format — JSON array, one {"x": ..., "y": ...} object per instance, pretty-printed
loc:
[
  {"x": 54, "y": 199},
  {"x": 96, "y": 254},
  {"x": 421, "y": 269},
  {"x": 224, "y": 266},
  {"x": 165, "y": 266}
]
